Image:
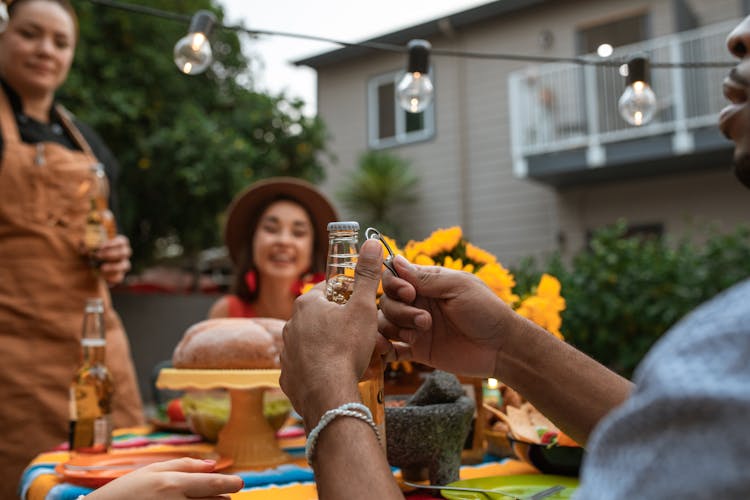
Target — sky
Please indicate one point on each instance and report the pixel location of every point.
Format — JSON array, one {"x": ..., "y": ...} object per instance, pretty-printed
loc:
[{"x": 346, "y": 20}]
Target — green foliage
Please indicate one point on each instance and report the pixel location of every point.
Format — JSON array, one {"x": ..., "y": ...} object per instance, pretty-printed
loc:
[
  {"x": 186, "y": 144},
  {"x": 622, "y": 293},
  {"x": 381, "y": 187}
]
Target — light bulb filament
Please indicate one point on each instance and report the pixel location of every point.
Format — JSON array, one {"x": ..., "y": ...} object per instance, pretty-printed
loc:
[{"x": 198, "y": 40}]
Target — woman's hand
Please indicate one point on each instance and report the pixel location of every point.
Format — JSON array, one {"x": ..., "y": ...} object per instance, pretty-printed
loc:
[
  {"x": 444, "y": 318},
  {"x": 114, "y": 256},
  {"x": 177, "y": 479}
]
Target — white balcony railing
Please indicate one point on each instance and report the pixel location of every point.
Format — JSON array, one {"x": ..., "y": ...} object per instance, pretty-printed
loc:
[{"x": 559, "y": 107}]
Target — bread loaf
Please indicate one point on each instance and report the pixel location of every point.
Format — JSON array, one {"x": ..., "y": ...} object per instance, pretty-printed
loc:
[{"x": 230, "y": 343}]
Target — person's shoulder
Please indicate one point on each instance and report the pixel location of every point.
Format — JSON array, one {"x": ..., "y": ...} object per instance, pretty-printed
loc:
[
  {"x": 220, "y": 308},
  {"x": 726, "y": 313},
  {"x": 709, "y": 343},
  {"x": 691, "y": 389}
]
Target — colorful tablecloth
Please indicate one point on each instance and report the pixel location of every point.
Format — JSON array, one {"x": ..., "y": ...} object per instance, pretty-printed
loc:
[{"x": 291, "y": 481}]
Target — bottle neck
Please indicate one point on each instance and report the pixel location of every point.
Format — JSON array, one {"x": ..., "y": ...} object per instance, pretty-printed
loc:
[
  {"x": 94, "y": 351},
  {"x": 93, "y": 340}
]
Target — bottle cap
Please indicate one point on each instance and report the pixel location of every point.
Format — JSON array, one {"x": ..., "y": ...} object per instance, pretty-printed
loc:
[{"x": 343, "y": 226}]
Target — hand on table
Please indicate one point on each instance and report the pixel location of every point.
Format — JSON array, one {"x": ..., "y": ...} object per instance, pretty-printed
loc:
[
  {"x": 444, "y": 318},
  {"x": 177, "y": 479},
  {"x": 114, "y": 256}
]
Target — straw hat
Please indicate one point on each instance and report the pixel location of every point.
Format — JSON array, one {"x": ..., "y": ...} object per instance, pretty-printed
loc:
[{"x": 246, "y": 208}]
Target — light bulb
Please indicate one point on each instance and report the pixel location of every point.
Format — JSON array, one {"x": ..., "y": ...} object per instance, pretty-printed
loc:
[
  {"x": 415, "y": 90},
  {"x": 604, "y": 50},
  {"x": 637, "y": 104},
  {"x": 192, "y": 53}
]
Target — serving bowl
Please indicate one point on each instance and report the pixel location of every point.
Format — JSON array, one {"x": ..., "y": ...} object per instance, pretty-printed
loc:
[{"x": 207, "y": 412}]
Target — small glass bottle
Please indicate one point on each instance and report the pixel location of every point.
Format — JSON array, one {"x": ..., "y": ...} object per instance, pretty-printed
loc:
[
  {"x": 100, "y": 222},
  {"x": 101, "y": 189},
  {"x": 343, "y": 252},
  {"x": 92, "y": 387}
]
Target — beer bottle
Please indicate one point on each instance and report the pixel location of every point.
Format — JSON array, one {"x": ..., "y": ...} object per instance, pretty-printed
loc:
[
  {"x": 100, "y": 222},
  {"x": 91, "y": 388},
  {"x": 101, "y": 196},
  {"x": 343, "y": 252}
]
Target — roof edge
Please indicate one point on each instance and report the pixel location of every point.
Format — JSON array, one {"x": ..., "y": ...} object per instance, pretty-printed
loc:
[{"x": 428, "y": 29}]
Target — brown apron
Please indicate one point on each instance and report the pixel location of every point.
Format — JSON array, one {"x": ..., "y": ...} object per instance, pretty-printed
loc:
[{"x": 44, "y": 283}]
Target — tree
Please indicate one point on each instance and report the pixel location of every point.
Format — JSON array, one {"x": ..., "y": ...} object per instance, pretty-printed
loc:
[
  {"x": 382, "y": 186},
  {"x": 186, "y": 144}
]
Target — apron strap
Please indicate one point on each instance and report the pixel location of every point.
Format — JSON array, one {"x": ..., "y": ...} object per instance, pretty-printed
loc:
[
  {"x": 67, "y": 121},
  {"x": 8, "y": 123}
]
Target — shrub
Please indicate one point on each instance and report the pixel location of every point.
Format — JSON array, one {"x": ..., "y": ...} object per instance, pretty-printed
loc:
[{"x": 623, "y": 293}]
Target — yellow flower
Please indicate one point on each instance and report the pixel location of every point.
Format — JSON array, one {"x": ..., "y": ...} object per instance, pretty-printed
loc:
[
  {"x": 442, "y": 240},
  {"x": 457, "y": 264},
  {"x": 423, "y": 260},
  {"x": 478, "y": 255},
  {"x": 545, "y": 307},
  {"x": 412, "y": 250},
  {"x": 500, "y": 281},
  {"x": 391, "y": 243}
]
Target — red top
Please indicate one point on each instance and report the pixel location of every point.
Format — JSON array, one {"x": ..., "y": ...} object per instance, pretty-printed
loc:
[{"x": 238, "y": 308}]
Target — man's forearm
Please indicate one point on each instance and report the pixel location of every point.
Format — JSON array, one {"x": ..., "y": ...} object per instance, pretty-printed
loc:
[
  {"x": 349, "y": 463},
  {"x": 570, "y": 388}
]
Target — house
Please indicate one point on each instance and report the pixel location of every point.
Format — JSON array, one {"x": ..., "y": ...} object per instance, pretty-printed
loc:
[{"x": 530, "y": 158}]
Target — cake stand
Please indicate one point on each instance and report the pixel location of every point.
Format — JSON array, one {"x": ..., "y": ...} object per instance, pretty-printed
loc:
[{"x": 247, "y": 437}]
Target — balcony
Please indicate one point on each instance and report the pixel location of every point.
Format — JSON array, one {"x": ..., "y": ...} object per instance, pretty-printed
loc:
[{"x": 566, "y": 128}]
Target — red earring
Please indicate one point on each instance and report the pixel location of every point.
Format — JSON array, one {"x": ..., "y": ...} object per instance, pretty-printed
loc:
[{"x": 251, "y": 280}]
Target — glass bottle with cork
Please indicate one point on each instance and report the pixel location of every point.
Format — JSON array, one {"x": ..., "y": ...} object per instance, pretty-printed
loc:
[
  {"x": 343, "y": 252},
  {"x": 100, "y": 222},
  {"x": 92, "y": 387}
]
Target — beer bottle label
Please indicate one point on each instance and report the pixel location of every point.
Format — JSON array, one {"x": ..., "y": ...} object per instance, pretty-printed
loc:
[{"x": 86, "y": 402}]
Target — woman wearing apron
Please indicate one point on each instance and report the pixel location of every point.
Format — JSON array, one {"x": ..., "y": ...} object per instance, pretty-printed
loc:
[{"x": 45, "y": 279}]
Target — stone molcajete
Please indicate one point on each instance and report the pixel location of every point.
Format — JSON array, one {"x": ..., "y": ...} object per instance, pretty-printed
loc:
[{"x": 428, "y": 433}]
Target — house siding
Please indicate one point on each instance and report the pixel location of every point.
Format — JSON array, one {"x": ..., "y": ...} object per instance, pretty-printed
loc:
[{"x": 466, "y": 170}]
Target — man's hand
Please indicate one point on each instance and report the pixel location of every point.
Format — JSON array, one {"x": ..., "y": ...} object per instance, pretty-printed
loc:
[
  {"x": 444, "y": 318},
  {"x": 328, "y": 346}
]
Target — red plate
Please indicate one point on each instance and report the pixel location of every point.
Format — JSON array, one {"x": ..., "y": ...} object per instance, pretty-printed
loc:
[{"x": 96, "y": 470}]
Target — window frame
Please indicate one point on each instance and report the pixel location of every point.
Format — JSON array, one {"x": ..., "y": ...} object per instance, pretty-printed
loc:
[{"x": 401, "y": 137}]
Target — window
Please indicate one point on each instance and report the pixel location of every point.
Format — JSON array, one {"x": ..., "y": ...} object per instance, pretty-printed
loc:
[{"x": 388, "y": 124}]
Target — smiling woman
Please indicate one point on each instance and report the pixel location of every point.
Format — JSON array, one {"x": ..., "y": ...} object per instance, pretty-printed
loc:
[
  {"x": 48, "y": 173},
  {"x": 276, "y": 237}
]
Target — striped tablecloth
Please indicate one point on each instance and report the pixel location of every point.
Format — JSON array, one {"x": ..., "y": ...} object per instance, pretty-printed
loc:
[{"x": 291, "y": 481}]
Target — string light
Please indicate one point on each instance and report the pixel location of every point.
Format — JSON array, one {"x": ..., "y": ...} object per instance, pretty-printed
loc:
[
  {"x": 638, "y": 102},
  {"x": 192, "y": 53},
  {"x": 414, "y": 91}
]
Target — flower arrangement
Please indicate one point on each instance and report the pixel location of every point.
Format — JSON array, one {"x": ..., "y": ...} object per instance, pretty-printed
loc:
[{"x": 448, "y": 248}]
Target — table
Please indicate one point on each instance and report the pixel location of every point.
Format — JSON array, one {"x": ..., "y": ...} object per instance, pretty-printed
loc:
[{"x": 290, "y": 481}]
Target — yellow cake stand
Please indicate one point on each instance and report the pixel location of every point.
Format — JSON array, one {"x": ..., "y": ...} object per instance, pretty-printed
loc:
[{"x": 247, "y": 437}]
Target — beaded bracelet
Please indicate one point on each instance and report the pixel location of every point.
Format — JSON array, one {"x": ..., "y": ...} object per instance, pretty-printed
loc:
[{"x": 356, "y": 410}]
